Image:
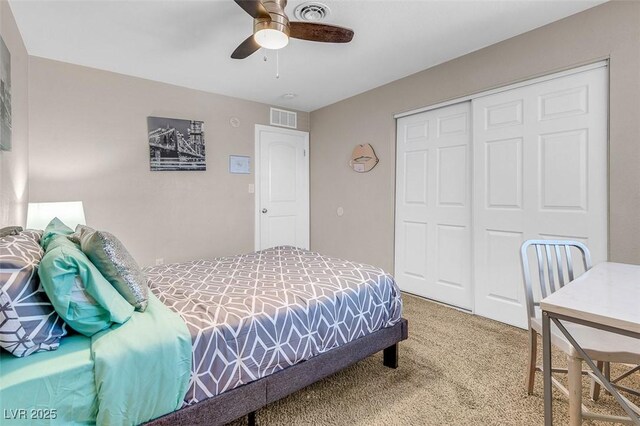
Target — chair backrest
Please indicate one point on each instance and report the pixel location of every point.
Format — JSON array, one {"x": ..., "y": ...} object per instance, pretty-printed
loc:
[{"x": 554, "y": 264}]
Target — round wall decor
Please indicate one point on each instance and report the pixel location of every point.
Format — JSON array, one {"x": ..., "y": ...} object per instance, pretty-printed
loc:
[{"x": 363, "y": 158}]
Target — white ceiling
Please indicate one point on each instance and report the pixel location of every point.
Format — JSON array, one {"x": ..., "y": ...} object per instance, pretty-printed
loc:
[{"x": 188, "y": 43}]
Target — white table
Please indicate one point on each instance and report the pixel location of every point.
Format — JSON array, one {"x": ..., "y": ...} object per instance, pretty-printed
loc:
[{"x": 605, "y": 297}]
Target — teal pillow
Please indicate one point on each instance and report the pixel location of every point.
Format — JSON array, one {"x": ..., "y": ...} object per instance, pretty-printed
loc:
[
  {"x": 53, "y": 229},
  {"x": 61, "y": 241},
  {"x": 86, "y": 301}
]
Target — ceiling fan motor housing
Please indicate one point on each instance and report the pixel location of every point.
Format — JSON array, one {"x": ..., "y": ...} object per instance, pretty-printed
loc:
[{"x": 278, "y": 21}]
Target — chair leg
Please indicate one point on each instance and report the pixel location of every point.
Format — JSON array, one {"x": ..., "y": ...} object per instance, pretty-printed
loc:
[
  {"x": 575, "y": 391},
  {"x": 607, "y": 372},
  {"x": 595, "y": 386},
  {"x": 251, "y": 418},
  {"x": 533, "y": 352}
]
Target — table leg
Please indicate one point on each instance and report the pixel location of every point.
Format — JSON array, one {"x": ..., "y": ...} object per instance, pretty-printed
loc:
[
  {"x": 575, "y": 390},
  {"x": 546, "y": 368}
]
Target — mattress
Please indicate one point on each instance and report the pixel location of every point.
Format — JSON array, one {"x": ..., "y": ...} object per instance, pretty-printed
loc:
[
  {"x": 252, "y": 315},
  {"x": 49, "y": 388}
]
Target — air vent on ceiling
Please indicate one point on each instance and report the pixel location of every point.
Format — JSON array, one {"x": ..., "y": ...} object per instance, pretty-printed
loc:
[
  {"x": 280, "y": 117},
  {"x": 311, "y": 11}
]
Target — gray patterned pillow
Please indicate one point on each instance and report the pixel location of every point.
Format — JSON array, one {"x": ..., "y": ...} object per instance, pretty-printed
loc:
[
  {"x": 113, "y": 260},
  {"x": 34, "y": 234},
  {"x": 28, "y": 322},
  {"x": 10, "y": 230}
]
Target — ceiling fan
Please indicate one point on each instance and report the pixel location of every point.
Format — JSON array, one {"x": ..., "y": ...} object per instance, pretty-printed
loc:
[{"x": 272, "y": 28}]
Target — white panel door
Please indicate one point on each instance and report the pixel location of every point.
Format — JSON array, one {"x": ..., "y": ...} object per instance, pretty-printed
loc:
[
  {"x": 433, "y": 205},
  {"x": 540, "y": 171},
  {"x": 282, "y": 183}
]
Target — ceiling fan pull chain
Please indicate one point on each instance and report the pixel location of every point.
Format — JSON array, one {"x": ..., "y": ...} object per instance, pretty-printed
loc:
[{"x": 277, "y": 64}]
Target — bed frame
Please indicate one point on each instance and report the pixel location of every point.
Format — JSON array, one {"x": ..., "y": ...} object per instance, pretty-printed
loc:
[{"x": 246, "y": 399}]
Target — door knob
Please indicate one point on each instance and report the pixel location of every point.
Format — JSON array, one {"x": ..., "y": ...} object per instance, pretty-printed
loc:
[{"x": 264, "y": 210}]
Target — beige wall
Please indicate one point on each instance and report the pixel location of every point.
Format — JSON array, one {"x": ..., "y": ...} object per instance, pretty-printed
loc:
[
  {"x": 88, "y": 141},
  {"x": 365, "y": 232},
  {"x": 14, "y": 164}
]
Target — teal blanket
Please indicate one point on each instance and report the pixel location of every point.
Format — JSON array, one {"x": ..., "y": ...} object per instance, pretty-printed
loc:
[
  {"x": 49, "y": 388},
  {"x": 126, "y": 375},
  {"x": 142, "y": 367}
]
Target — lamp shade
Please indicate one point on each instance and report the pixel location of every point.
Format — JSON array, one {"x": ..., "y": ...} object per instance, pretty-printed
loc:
[{"x": 71, "y": 213}]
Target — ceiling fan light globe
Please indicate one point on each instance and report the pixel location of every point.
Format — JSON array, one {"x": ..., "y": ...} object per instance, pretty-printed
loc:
[{"x": 271, "y": 39}]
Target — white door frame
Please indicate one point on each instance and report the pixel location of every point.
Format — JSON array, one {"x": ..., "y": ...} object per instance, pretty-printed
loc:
[{"x": 256, "y": 171}]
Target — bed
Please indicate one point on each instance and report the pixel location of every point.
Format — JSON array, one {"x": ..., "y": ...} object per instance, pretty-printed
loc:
[
  {"x": 261, "y": 326},
  {"x": 272, "y": 311}
]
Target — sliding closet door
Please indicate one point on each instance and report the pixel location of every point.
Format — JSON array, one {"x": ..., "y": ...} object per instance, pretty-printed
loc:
[
  {"x": 540, "y": 171},
  {"x": 433, "y": 205}
]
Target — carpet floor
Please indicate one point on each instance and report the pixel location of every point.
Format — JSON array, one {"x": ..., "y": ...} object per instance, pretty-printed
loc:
[{"x": 455, "y": 368}]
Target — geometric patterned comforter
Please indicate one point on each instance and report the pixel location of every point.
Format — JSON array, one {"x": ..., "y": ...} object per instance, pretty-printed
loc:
[{"x": 252, "y": 315}]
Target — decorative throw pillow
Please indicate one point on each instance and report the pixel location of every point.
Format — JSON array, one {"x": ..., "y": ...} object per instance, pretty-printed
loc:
[
  {"x": 10, "y": 230},
  {"x": 80, "y": 294},
  {"x": 75, "y": 237},
  {"x": 28, "y": 322},
  {"x": 117, "y": 265},
  {"x": 34, "y": 234}
]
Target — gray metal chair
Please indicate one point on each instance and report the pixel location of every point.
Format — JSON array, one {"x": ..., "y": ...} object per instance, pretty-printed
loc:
[{"x": 554, "y": 268}]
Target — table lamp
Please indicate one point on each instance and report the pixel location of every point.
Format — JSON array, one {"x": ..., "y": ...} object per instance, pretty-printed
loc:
[{"x": 71, "y": 213}]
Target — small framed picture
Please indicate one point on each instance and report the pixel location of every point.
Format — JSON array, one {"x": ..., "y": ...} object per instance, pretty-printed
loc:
[{"x": 239, "y": 164}]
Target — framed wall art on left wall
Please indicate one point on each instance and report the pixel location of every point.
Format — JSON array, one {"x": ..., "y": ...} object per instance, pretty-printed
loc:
[{"x": 5, "y": 97}]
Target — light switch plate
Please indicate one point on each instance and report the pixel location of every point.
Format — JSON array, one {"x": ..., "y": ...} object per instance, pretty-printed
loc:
[{"x": 252, "y": 188}]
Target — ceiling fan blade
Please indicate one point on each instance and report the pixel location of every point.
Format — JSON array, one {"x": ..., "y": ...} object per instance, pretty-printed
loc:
[
  {"x": 320, "y": 32},
  {"x": 246, "y": 48},
  {"x": 254, "y": 8}
]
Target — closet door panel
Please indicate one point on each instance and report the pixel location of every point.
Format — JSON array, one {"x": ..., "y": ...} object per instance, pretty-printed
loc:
[
  {"x": 413, "y": 194},
  {"x": 540, "y": 171},
  {"x": 433, "y": 205},
  {"x": 501, "y": 179}
]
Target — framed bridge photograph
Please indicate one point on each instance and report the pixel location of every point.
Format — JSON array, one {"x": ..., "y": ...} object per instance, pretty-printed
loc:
[{"x": 176, "y": 144}]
